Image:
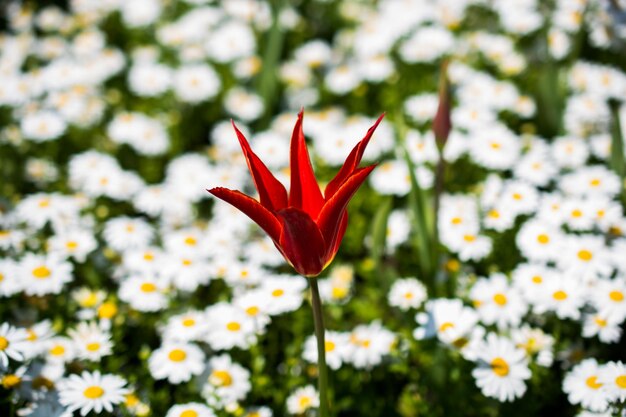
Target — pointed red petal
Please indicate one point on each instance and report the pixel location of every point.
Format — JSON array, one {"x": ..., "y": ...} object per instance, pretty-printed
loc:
[
  {"x": 333, "y": 247},
  {"x": 352, "y": 161},
  {"x": 271, "y": 192},
  {"x": 332, "y": 212},
  {"x": 251, "y": 208},
  {"x": 302, "y": 242},
  {"x": 304, "y": 192}
]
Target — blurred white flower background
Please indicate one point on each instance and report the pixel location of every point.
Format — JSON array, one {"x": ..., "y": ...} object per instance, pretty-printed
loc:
[{"x": 128, "y": 290}]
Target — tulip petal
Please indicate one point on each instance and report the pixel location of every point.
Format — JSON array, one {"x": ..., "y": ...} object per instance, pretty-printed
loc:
[
  {"x": 332, "y": 212},
  {"x": 333, "y": 247},
  {"x": 304, "y": 192},
  {"x": 302, "y": 242},
  {"x": 271, "y": 192},
  {"x": 352, "y": 161},
  {"x": 251, "y": 208}
]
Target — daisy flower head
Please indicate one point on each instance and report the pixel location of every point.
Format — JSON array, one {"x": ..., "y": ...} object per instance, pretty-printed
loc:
[
  {"x": 607, "y": 328},
  {"x": 229, "y": 327},
  {"x": 282, "y": 293},
  {"x": 42, "y": 275},
  {"x": 335, "y": 345},
  {"x": 91, "y": 392},
  {"x": 536, "y": 343},
  {"x": 146, "y": 293},
  {"x": 609, "y": 298},
  {"x": 176, "y": 362},
  {"x": 368, "y": 345},
  {"x": 302, "y": 399},
  {"x": 497, "y": 302},
  {"x": 448, "y": 319},
  {"x": 613, "y": 377},
  {"x": 582, "y": 386},
  {"x": 564, "y": 294},
  {"x": 224, "y": 382},
  {"x": 407, "y": 293},
  {"x": 9, "y": 282},
  {"x": 12, "y": 344},
  {"x": 91, "y": 341},
  {"x": 502, "y": 369},
  {"x": 186, "y": 327},
  {"x": 190, "y": 410}
]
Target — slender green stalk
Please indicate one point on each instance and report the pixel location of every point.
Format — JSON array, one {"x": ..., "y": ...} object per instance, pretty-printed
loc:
[{"x": 318, "y": 319}]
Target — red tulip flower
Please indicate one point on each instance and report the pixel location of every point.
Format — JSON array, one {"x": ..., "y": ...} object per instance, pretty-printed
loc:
[{"x": 306, "y": 226}]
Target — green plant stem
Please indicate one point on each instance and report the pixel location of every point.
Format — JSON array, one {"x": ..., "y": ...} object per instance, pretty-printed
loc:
[{"x": 318, "y": 319}]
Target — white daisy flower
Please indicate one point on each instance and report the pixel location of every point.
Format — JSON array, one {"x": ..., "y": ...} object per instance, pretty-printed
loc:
[
  {"x": 613, "y": 377},
  {"x": 583, "y": 387},
  {"x": 302, "y": 399},
  {"x": 91, "y": 341},
  {"x": 177, "y": 362},
  {"x": 12, "y": 344},
  {"x": 190, "y": 410},
  {"x": 407, "y": 293},
  {"x": 497, "y": 302},
  {"x": 229, "y": 327},
  {"x": 335, "y": 346},
  {"x": 91, "y": 391},
  {"x": 144, "y": 293},
  {"x": 225, "y": 382},
  {"x": 502, "y": 369},
  {"x": 42, "y": 275}
]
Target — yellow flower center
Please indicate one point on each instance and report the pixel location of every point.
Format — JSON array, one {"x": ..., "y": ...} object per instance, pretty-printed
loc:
[
  {"x": 1, "y": 277},
  {"x": 93, "y": 392},
  {"x": 543, "y": 239},
  {"x": 576, "y": 213},
  {"x": 445, "y": 326},
  {"x": 252, "y": 311},
  {"x": 537, "y": 279},
  {"x": 187, "y": 262},
  {"x": 621, "y": 381},
  {"x": 41, "y": 272},
  {"x": 191, "y": 241},
  {"x": 4, "y": 343},
  {"x": 148, "y": 256},
  {"x": 469, "y": 238},
  {"x": 500, "y": 367},
  {"x": 494, "y": 214},
  {"x": 339, "y": 292},
  {"x": 408, "y": 295},
  {"x": 71, "y": 245},
  {"x": 58, "y": 350},
  {"x": 189, "y": 322},
  {"x": 616, "y": 296},
  {"x": 92, "y": 347},
  {"x": 600, "y": 322},
  {"x": 457, "y": 220},
  {"x": 305, "y": 402},
  {"x": 592, "y": 382},
  {"x": 500, "y": 299},
  {"x": 329, "y": 346},
  {"x": 177, "y": 355},
  {"x": 189, "y": 413},
  {"x": 517, "y": 196},
  {"x": 107, "y": 310},
  {"x": 594, "y": 182},
  {"x": 233, "y": 326},
  {"x": 278, "y": 293},
  {"x": 221, "y": 378},
  {"x": 585, "y": 255},
  {"x": 148, "y": 287},
  {"x": 10, "y": 381},
  {"x": 559, "y": 295}
]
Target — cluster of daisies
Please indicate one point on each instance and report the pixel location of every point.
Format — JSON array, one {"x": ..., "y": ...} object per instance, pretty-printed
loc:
[{"x": 109, "y": 240}]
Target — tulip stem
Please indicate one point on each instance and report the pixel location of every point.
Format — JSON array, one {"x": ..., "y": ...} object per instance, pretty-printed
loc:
[{"x": 318, "y": 319}]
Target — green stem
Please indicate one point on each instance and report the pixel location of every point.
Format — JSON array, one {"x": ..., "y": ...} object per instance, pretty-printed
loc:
[{"x": 318, "y": 319}]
